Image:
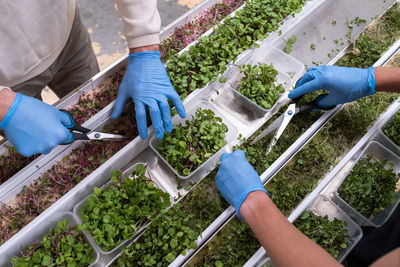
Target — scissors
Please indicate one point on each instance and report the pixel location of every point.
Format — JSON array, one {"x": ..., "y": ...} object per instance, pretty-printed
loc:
[
  {"x": 81, "y": 133},
  {"x": 282, "y": 121}
]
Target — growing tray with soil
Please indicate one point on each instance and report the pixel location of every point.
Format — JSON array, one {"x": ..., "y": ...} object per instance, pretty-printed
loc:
[
  {"x": 116, "y": 212},
  {"x": 61, "y": 246},
  {"x": 370, "y": 186}
]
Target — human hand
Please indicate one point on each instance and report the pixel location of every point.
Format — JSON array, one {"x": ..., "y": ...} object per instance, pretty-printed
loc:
[
  {"x": 236, "y": 178},
  {"x": 344, "y": 84},
  {"x": 35, "y": 127},
  {"x": 146, "y": 81}
]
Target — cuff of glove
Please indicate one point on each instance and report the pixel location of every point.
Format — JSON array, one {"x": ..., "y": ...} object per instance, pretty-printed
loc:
[
  {"x": 244, "y": 196},
  {"x": 11, "y": 111},
  {"x": 146, "y": 54},
  {"x": 371, "y": 80}
]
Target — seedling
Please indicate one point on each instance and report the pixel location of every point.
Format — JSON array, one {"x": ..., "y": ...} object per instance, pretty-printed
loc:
[
  {"x": 189, "y": 146},
  {"x": 392, "y": 129},
  {"x": 289, "y": 44},
  {"x": 62, "y": 246},
  {"x": 115, "y": 213},
  {"x": 330, "y": 235},
  {"x": 370, "y": 187},
  {"x": 259, "y": 84}
]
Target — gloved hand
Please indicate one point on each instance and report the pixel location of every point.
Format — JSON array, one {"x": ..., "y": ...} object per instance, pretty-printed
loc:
[
  {"x": 344, "y": 84},
  {"x": 236, "y": 178},
  {"x": 147, "y": 83},
  {"x": 35, "y": 127}
]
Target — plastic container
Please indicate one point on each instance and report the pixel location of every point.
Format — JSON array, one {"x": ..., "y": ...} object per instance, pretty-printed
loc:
[
  {"x": 79, "y": 206},
  {"x": 209, "y": 164},
  {"x": 322, "y": 206},
  {"x": 43, "y": 229},
  {"x": 386, "y": 140},
  {"x": 378, "y": 152},
  {"x": 286, "y": 65}
]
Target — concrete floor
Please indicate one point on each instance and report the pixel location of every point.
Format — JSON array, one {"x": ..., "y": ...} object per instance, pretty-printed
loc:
[{"x": 105, "y": 27}]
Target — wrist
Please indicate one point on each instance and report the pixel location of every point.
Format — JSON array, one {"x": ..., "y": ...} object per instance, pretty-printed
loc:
[
  {"x": 155, "y": 47},
  {"x": 254, "y": 202},
  {"x": 7, "y": 98}
]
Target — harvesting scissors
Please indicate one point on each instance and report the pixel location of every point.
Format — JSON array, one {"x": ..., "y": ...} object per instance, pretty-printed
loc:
[
  {"x": 282, "y": 121},
  {"x": 81, "y": 133}
]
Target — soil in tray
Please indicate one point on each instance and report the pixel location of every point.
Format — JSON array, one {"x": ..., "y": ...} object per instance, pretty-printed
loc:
[
  {"x": 370, "y": 186},
  {"x": 62, "y": 177},
  {"x": 61, "y": 246}
]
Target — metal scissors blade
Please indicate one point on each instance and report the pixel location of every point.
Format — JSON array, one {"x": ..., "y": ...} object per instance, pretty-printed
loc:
[
  {"x": 105, "y": 136},
  {"x": 287, "y": 117}
]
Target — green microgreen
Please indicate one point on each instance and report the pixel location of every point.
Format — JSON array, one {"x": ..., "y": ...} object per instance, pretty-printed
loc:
[
  {"x": 331, "y": 235},
  {"x": 259, "y": 84},
  {"x": 392, "y": 129},
  {"x": 370, "y": 186},
  {"x": 116, "y": 212},
  {"x": 61, "y": 246},
  {"x": 189, "y": 146},
  {"x": 289, "y": 44}
]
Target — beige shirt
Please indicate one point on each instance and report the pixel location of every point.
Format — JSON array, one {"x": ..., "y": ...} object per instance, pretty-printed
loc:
[{"x": 33, "y": 33}]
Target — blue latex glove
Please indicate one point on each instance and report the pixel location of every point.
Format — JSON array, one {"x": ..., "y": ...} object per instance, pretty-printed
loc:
[
  {"x": 344, "y": 84},
  {"x": 34, "y": 127},
  {"x": 147, "y": 83},
  {"x": 236, "y": 178}
]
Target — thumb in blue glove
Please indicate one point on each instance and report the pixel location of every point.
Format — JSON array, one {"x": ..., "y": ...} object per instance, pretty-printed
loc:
[
  {"x": 34, "y": 127},
  {"x": 344, "y": 84},
  {"x": 147, "y": 83},
  {"x": 236, "y": 178}
]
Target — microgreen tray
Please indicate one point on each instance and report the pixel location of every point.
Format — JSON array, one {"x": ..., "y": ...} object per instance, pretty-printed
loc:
[
  {"x": 387, "y": 141},
  {"x": 209, "y": 164},
  {"x": 41, "y": 230},
  {"x": 378, "y": 152},
  {"x": 285, "y": 64},
  {"x": 78, "y": 207},
  {"x": 322, "y": 206}
]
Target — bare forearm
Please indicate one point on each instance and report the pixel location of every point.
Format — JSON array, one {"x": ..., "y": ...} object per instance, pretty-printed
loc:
[
  {"x": 155, "y": 47},
  {"x": 284, "y": 243},
  {"x": 387, "y": 79},
  {"x": 6, "y": 99}
]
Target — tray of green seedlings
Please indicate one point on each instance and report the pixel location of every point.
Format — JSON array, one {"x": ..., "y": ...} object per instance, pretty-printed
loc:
[
  {"x": 368, "y": 192},
  {"x": 260, "y": 84},
  {"x": 330, "y": 227},
  {"x": 390, "y": 133},
  {"x": 122, "y": 208},
  {"x": 58, "y": 242},
  {"x": 197, "y": 143}
]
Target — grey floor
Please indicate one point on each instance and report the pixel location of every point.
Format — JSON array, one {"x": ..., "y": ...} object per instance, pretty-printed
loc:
[{"x": 102, "y": 19}]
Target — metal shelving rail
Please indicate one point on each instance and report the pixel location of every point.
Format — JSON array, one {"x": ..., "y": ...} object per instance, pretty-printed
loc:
[{"x": 327, "y": 186}]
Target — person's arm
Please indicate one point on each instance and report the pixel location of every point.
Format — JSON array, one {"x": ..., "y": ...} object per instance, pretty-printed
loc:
[
  {"x": 286, "y": 245},
  {"x": 6, "y": 99},
  {"x": 391, "y": 259},
  {"x": 241, "y": 186},
  {"x": 146, "y": 80},
  {"x": 387, "y": 79},
  {"x": 346, "y": 84}
]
